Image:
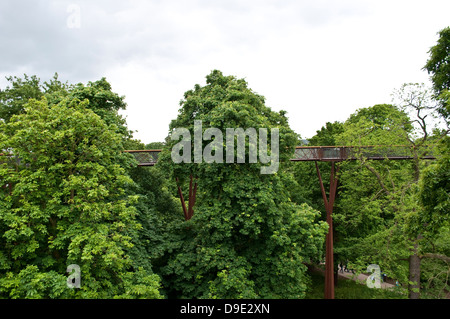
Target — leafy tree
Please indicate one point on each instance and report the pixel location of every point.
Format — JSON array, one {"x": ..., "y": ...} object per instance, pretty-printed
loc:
[
  {"x": 154, "y": 146},
  {"x": 66, "y": 204},
  {"x": 435, "y": 187},
  {"x": 13, "y": 99},
  {"x": 326, "y": 136},
  {"x": 368, "y": 189},
  {"x": 438, "y": 64},
  {"x": 246, "y": 238},
  {"x": 102, "y": 100},
  {"x": 380, "y": 215},
  {"x": 157, "y": 210},
  {"x": 435, "y": 198}
]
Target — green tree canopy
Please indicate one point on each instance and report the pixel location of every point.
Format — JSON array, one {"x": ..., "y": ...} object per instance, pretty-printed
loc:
[
  {"x": 66, "y": 204},
  {"x": 438, "y": 66},
  {"x": 246, "y": 238},
  {"x": 380, "y": 218},
  {"x": 326, "y": 136},
  {"x": 102, "y": 100}
]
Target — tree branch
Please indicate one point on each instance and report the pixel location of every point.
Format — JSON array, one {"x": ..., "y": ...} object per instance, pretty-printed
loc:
[
  {"x": 436, "y": 256},
  {"x": 377, "y": 175}
]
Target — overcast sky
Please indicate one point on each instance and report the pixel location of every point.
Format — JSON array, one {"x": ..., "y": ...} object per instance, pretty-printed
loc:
[{"x": 318, "y": 60}]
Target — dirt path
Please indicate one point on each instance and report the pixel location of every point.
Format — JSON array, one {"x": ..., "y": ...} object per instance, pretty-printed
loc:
[{"x": 362, "y": 278}]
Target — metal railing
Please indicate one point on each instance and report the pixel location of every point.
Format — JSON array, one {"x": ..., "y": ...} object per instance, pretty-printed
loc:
[
  {"x": 324, "y": 153},
  {"x": 372, "y": 152}
]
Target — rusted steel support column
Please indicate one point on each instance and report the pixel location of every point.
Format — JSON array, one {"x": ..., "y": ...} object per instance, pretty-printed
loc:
[
  {"x": 192, "y": 195},
  {"x": 183, "y": 204},
  {"x": 189, "y": 211},
  {"x": 329, "y": 262}
]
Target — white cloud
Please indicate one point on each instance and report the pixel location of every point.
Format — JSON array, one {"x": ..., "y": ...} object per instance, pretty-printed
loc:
[{"x": 319, "y": 60}]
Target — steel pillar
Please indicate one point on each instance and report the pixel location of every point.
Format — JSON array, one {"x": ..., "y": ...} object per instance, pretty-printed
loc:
[
  {"x": 189, "y": 211},
  {"x": 329, "y": 262}
]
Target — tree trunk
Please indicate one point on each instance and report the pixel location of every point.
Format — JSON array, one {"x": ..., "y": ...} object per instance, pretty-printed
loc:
[{"x": 414, "y": 276}]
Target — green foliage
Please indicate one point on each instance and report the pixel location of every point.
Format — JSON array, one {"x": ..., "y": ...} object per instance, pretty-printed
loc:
[
  {"x": 445, "y": 110},
  {"x": 157, "y": 210},
  {"x": 13, "y": 99},
  {"x": 326, "y": 136},
  {"x": 435, "y": 191},
  {"x": 31, "y": 283},
  {"x": 102, "y": 100},
  {"x": 247, "y": 238},
  {"x": 434, "y": 185},
  {"x": 154, "y": 146},
  {"x": 438, "y": 65},
  {"x": 436, "y": 266},
  {"x": 381, "y": 124},
  {"x": 350, "y": 289},
  {"x": 370, "y": 198},
  {"x": 379, "y": 216},
  {"x": 67, "y": 205}
]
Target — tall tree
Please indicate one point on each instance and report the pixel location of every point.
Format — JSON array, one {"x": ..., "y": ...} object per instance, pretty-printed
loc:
[
  {"x": 370, "y": 190},
  {"x": 66, "y": 204},
  {"x": 102, "y": 100},
  {"x": 438, "y": 66},
  {"x": 14, "y": 97},
  {"x": 246, "y": 238},
  {"x": 382, "y": 208},
  {"x": 435, "y": 187}
]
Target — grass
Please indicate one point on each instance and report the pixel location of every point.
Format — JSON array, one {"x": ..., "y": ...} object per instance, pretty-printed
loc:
[{"x": 348, "y": 289}]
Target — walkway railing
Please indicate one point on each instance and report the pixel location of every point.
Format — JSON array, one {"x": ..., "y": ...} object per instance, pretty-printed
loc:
[{"x": 322, "y": 153}]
